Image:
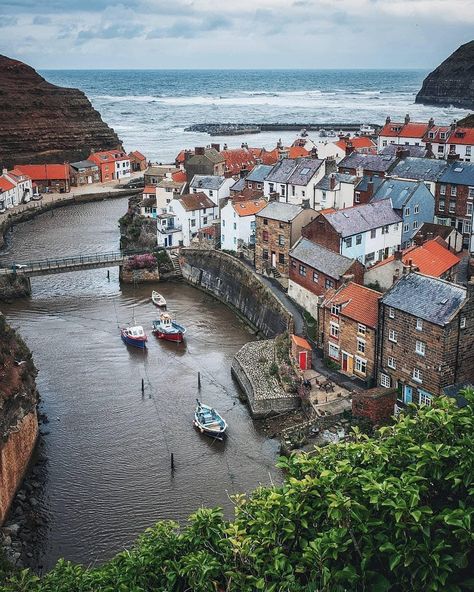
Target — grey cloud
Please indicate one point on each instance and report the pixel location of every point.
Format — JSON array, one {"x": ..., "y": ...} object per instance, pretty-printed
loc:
[
  {"x": 189, "y": 28},
  {"x": 8, "y": 21},
  {"x": 41, "y": 20},
  {"x": 125, "y": 31}
]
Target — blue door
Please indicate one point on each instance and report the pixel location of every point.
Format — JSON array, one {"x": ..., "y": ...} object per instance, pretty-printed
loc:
[{"x": 407, "y": 394}]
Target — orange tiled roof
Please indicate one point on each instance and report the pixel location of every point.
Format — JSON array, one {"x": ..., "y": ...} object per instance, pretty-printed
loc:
[
  {"x": 44, "y": 172},
  {"x": 179, "y": 176},
  {"x": 358, "y": 143},
  {"x": 300, "y": 342},
  {"x": 467, "y": 136},
  {"x": 180, "y": 157},
  {"x": 237, "y": 159},
  {"x": 404, "y": 130},
  {"x": 149, "y": 189},
  {"x": 108, "y": 156},
  {"x": 137, "y": 155},
  {"x": 431, "y": 258},
  {"x": 249, "y": 207},
  {"x": 297, "y": 152},
  {"x": 357, "y": 302},
  {"x": 5, "y": 184}
]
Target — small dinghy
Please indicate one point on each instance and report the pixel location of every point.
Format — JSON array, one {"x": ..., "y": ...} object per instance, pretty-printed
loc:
[
  {"x": 165, "y": 328},
  {"x": 135, "y": 336},
  {"x": 208, "y": 421},
  {"x": 158, "y": 299}
]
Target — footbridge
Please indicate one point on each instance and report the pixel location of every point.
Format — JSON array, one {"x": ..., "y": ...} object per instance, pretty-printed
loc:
[{"x": 66, "y": 264}]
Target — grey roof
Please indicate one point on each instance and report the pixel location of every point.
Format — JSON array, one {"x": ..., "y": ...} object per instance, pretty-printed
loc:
[
  {"x": 399, "y": 191},
  {"x": 83, "y": 164},
  {"x": 259, "y": 173},
  {"x": 209, "y": 154},
  {"x": 328, "y": 262},
  {"x": 363, "y": 184},
  {"x": 324, "y": 183},
  {"x": 277, "y": 210},
  {"x": 304, "y": 171},
  {"x": 369, "y": 162},
  {"x": 350, "y": 221},
  {"x": 430, "y": 228},
  {"x": 207, "y": 182},
  {"x": 392, "y": 150},
  {"x": 420, "y": 169},
  {"x": 428, "y": 298},
  {"x": 281, "y": 171},
  {"x": 238, "y": 185},
  {"x": 458, "y": 173}
]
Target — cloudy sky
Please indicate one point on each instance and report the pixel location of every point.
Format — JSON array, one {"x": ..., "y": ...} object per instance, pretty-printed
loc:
[{"x": 234, "y": 33}]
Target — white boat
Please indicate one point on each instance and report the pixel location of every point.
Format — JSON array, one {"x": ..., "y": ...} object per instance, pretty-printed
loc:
[
  {"x": 158, "y": 299},
  {"x": 366, "y": 130},
  {"x": 208, "y": 421}
]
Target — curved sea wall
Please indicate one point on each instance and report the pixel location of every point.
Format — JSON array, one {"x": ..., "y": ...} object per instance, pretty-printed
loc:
[
  {"x": 18, "y": 417},
  {"x": 234, "y": 284}
]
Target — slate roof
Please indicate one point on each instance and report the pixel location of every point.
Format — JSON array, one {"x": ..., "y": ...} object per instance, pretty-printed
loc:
[
  {"x": 458, "y": 173},
  {"x": 209, "y": 154},
  {"x": 284, "y": 212},
  {"x": 430, "y": 228},
  {"x": 305, "y": 169},
  {"x": 398, "y": 191},
  {"x": 328, "y": 262},
  {"x": 324, "y": 183},
  {"x": 213, "y": 182},
  {"x": 281, "y": 171},
  {"x": 425, "y": 297},
  {"x": 391, "y": 150},
  {"x": 369, "y": 162},
  {"x": 83, "y": 164},
  {"x": 420, "y": 169},
  {"x": 196, "y": 201},
  {"x": 357, "y": 219},
  {"x": 363, "y": 184},
  {"x": 259, "y": 173},
  {"x": 238, "y": 185}
]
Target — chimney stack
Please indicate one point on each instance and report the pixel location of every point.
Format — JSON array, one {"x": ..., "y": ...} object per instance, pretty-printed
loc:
[
  {"x": 199, "y": 150},
  {"x": 332, "y": 181},
  {"x": 388, "y": 120},
  {"x": 397, "y": 255},
  {"x": 349, "y": 148},
  {"x": 407, "y": 119},
  {"x": 305, "y": 204},
  {"x": 453, "y": 125},
  {"x": 216, "y": 147},
  {"x": 314, "y": 152},
  {"x": 402, "y": 152},
  {"x": 431, "y": 122},
  {"x": 347, "y": 278},
  {"x": 330, "y": 165}
]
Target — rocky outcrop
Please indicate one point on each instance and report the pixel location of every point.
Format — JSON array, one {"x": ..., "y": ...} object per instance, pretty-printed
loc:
[
  {"x": 18, "y": 417},
  {"x": 452, "y": 83},
  {"x": 42, "y": 122}
]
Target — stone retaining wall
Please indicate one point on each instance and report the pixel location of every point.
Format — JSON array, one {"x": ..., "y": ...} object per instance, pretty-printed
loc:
[
  {"x": 264, "y": 394},
  {"x": 234, "y": 284}
]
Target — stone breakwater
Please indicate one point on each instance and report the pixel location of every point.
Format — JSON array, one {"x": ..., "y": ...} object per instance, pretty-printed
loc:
[
  {"x": 263, "y": 392},
  {"x": 234, "y": 284}
]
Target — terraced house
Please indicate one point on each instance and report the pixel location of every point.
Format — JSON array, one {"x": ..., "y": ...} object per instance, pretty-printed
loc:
[
  {"x": 426, "y": 336},
  {"x": 294, "y": 180}
]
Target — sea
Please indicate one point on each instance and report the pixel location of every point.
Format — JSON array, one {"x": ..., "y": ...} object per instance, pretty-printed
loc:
[{"x": 149, "y": 109}]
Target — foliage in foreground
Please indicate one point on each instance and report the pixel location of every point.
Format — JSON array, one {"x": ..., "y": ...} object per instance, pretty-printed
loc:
[{"x": 389, "y": 513}]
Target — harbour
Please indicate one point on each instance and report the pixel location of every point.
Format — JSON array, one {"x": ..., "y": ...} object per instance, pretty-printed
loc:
[{"x": 108, "y": 471}]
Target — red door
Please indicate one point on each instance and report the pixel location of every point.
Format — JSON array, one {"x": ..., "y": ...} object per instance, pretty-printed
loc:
[{"x": 303, "y": 360}]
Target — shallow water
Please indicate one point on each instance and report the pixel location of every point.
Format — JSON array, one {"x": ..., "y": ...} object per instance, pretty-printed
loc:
[{"x": 109, "y": 445}]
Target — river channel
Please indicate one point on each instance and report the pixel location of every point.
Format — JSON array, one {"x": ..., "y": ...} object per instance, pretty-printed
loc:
[{"x": 108, "y": 444}]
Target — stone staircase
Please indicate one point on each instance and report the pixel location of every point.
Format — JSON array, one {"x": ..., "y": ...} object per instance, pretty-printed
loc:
[{"x": 177, "y": 267}]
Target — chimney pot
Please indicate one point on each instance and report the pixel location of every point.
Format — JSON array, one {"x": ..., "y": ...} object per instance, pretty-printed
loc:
[
  {"x": 199, "y": 150},
  {"x": 216, "y": 147},
  {"x": 388, "y": 120},
  {"x": 407, "y": 119}
]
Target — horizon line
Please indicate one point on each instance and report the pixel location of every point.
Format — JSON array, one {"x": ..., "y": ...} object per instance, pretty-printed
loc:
[{"x": 230, "y": 69}]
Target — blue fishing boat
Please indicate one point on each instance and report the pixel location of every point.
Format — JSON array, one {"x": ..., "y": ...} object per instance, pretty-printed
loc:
[
  {"x": 165, "y": 328},
  {"x": 134, "y": 336},
  {"x": 208, "y": 421}
]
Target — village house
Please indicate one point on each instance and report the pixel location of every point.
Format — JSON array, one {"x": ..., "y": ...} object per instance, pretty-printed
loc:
[
  {"x": 455, "y": 197},
  {"x": 171, "y": 186},
  {"x": 8, "y": 194},
  {"x": 238, "y": 161},
  {"x": 368, "y": 233},
  {"x": 348, "y": 323},
  {"x": 204, "y": 161},
  {"x": 294, "y": 180},
  {"x": 408, "y": 133},
  {"x": 169, "y": 232},
  {"x": 193, "y": 212},
  {"x": 403, "y": 152},
  {"x": 451, "y": 141},
  {"x": 336, "y": 190},
  {"x": 271, "y": 157},
  {"x": 148, "y": 207},
  {"x": 449, "y": 234},
  {"x": 113, "y": 164},
  {"x": 137, "y": 161},
  {"x": 215, "y": 187},
  {"x": 15, "y": 188},
  {"x": 84, "y": 172},
  {"x": 412, "y": 168},
  {"x": 426, "y": 328},
  {"x": 47, "y": 177},
  {"x": 361, "y": 144},
  {"x": 412, "y": 201},
  {"x": 314, "y": 270},
  {"x": 366, "y": 187},
  {"x": 256, "y": 178},
  {"x": 432, "y": 258},
  {"x": 373, "y": 165},
  {"x": 278, "y": 227},
  {"x": 238, "y": 223},
  {"x": 155, "y": 173}
]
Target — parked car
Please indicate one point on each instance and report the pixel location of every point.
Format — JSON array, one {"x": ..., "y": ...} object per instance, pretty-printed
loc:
[
  {"x": 16, "y": 266},
  {"x": 36, "y": 196}
]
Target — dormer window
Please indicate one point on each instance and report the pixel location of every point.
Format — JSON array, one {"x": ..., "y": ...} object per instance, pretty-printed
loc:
[
  {"x": 431, "y": 135},
  {"x": 335, "y": 309}
]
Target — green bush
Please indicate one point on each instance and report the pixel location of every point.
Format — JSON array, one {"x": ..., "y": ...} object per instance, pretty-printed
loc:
[{"x": 391, "y": 513}]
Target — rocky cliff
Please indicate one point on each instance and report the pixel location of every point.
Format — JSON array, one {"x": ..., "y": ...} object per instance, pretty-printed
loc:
[
  {"x": 18, "y": 418},
  {"x": 452, "y": 83},
  {"x": 41, "y": 122}
]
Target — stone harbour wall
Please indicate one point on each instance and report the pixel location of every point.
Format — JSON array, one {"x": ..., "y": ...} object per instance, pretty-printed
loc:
[
  {"x": 234, "y": 284},
  {"x": 263, "y": 392},
  {"x": 139, "y": 276},
  {"x": 14, "y": 286}
]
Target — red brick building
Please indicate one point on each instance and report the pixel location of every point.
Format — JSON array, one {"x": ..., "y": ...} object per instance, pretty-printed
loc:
[
  {"x": 348, "y": 322},
  {"x": 376, "y": 404},
  {"x": 137, "y": 161},
  {"x": 48, "y": 177}
]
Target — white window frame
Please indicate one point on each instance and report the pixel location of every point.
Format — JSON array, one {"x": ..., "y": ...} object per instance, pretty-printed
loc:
[
  {"x": 420, "y": 348},
  {"x": 462, "y": 322},
  {"x": 361, "y": 345},
  {"x": 391, "y": 312},
  {"x": 424, "y": 399},
  {"x": 361, "y": 329},
  {"x": 417, "y": 375},
  {"x": 359, "y": 362},
  {"x": 419, "y": 325},
  {"x": 416, "y": 209},
  {"x": 385, "y": 380},
  {"x": 391, "y": 363},
  {"x": 392, "y": 336},
  {"x": 332, "y": 347},
  {"x": 334, "y": 330}
]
